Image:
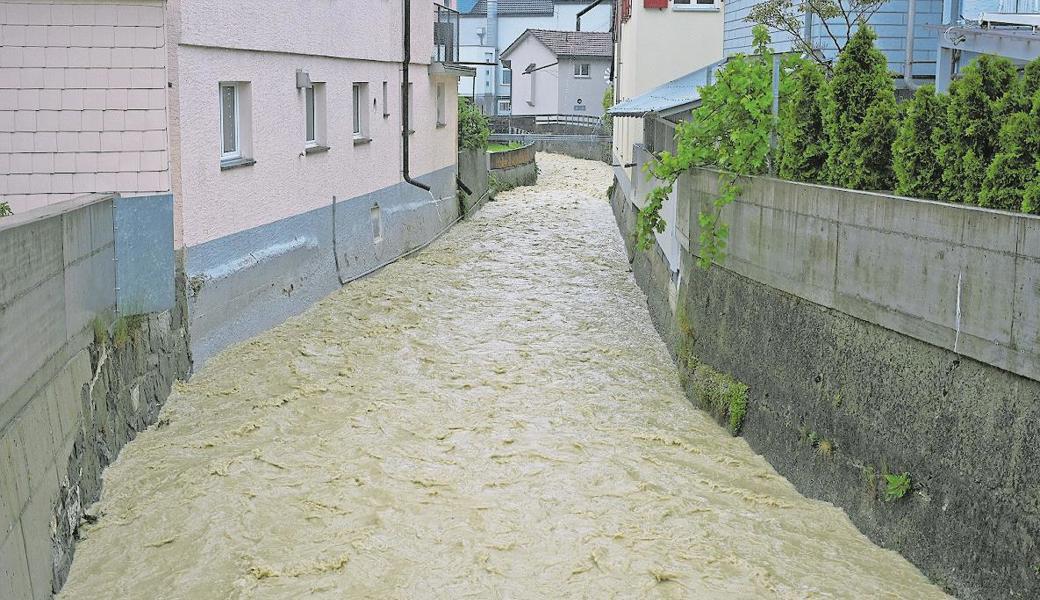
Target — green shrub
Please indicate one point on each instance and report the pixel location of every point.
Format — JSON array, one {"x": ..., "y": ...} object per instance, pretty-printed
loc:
[
  {"x": 5, "y": 209},
  {"x": 870, "y": 147},
  {"x": 915, "y": 152},
  {"x": 608, "y": 102},
  {"x": 801, "y": 139},
  {"x": 896, "y": 486},
  {"x": 972, "y": 136},
  {"x": 860, "y": 83},
  {"x": 721, "y": 395},
  {"x": 1014, "y": 167},
  {"x": 473, "y": 126}
]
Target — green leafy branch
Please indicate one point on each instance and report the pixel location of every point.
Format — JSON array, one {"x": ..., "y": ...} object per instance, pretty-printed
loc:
[{"x": 730, "y": 131}]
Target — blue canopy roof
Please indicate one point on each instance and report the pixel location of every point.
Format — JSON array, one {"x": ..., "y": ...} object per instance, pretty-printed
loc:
[{"x": 676, "y": 94}]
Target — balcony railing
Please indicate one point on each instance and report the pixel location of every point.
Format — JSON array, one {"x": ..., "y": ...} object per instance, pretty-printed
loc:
[
  {"x": 445, "y": 34},
  {"x": 1019, "y": 6}
]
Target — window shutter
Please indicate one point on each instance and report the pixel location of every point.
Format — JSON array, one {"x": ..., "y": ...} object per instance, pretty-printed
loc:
[
  {"x": 655, "y": 3},
  {"x": 626, "y": 10}
]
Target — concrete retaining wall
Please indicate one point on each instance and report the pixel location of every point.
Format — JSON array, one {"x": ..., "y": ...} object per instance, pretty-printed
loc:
[
  {"x": 242, "y": 284},
  {"x": 513, "y": 168},
  {"x": 587, "y": 147},
  {"x": 473, "y": 171},
  {"x": 64, "y": 411},
  {"x": 839, "y": 310}
]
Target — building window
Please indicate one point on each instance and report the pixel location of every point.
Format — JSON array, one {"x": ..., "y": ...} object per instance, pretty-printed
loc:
[
  {"x": 231, "y": 143},
  {"x": 693, "y": 5},
  {"x": 581, "y": 70},
  {"x": 441, "y": 109},
  {"x": 386, "y": 101},
  {"x": 507, "y": 77},
  {"x": 505, "y": 106},
  {"x": 360, "y": 100},
  {"x": 236, "y": 139},
  {"x": 314, "y": 106}
]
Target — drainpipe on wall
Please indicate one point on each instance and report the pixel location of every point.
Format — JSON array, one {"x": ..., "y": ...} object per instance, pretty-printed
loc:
[
  {"x": 908, "y": 62},
  {"x": 405, "y": 125},
  {"x": 492, "y": 40}
]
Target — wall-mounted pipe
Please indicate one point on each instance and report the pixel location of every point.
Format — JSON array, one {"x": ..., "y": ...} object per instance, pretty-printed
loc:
[
  {"x": 577, "y": 19},
  {"x": 405, "y": 125},
  {"x": 908, "y": 61}
]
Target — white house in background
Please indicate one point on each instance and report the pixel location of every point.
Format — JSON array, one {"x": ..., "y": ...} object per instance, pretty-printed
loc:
[
  {"x": 483, "y": 38},
  {"x": 559, "y": 72}
]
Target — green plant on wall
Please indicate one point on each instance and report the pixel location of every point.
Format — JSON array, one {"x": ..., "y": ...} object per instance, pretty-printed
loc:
[
  {"x": 731, "y": 131},
  {"x": 5, "y": 209},
  {"x": 1010, "y": 180},
  {"x": 859, "y": 116},
  {"x": 972, "y": 139},
  {"x": 474, "y": 128},
  {"x": 801, "y": 139},
  {"x": 896, "y": 486},
  {"x": 608, "y": 101},
  {"x": 915, "y": 154}
]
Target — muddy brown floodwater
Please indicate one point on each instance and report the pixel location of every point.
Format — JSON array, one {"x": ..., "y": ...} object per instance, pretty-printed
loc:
[{"x": 493, "y": 418}]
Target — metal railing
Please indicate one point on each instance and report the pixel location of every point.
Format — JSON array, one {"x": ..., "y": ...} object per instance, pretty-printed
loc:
[
  {"x": 547, "y": 124},
  {"x": 1019, "y": 6},
  {"x": 445, "y": 34}
]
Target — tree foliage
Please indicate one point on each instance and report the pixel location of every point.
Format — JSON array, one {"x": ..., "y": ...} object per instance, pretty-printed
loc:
[
  {"x": 730, "y": 130},
  {"x": 861, "y": 86},
  {"x": 975, "y": 102},
  {"x": 915, "y": 153},
  {"x": 473, "y": 126},
  {"x": 801, "y": 140},
  {"x": 1009, "y": 181},
  {"x": 836, "y": 18},
  {"x": 608, "y": 102}
]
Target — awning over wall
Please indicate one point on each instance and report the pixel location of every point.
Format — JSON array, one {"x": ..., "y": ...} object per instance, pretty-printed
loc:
[{"x": 675, "y": 96}]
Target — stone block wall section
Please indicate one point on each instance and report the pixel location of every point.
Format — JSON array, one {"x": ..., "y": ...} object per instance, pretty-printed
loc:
[
  {"x": 473, "y": 171},
  {"x": 839, "y": 310},
  {"x": 82, "y": 100},
  {"x": 74, "y": 387}
]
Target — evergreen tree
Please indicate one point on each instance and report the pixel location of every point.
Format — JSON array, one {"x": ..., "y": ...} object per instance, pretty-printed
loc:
[
  {"x": 871, "y": 148},
  {"x": 975, "y": 102},
  {"x": 915, "y": 152},
  {"x": 1020, "y": 97},
  {"x": 802, "y": 143},
  {"x": 861, "y": 81},
  {"x": 474, "y": 127},
  {"x": 1011, "y": 179}
]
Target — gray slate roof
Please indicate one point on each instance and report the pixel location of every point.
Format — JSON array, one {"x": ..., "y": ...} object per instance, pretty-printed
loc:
[
  {"x": 571, "y": 43},
  {"x": 512, "y": 8}
]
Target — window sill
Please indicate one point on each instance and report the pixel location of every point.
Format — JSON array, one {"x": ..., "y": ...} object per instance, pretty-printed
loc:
[
  {"x": 235, "y": 163},
  {"x": 695, "y": 8},
  {"x": 316, "y": 149},
  {"x": 361, "y": 141},
  {"x": 583, "y": 77}
]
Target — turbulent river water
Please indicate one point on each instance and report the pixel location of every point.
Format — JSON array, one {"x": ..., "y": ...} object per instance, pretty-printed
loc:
[{"x": 493, "y": 418}]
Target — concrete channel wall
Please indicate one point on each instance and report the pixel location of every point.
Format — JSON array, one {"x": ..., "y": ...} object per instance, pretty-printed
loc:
[
  {"x": 587, "y": 147},
  {"x": 513, "y": 168},
  {"x": 878, "y": 335},
  {"x": 71, "y": 393},
  {"x": 474, "y": 173}
]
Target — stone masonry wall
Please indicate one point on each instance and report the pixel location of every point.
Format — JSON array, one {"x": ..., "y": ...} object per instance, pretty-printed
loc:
[{"x": 836, "y": 402}]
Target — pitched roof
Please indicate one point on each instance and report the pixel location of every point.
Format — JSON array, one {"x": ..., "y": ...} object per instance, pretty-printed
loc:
[
  {"x": 570, "y": 43},
  {"x": 508, "y": 8}
]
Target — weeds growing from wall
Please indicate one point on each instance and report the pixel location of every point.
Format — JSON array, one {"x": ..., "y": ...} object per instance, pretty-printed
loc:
[
  {"x": 5, "y": 209},
  {"x": 896, "y": 486}
]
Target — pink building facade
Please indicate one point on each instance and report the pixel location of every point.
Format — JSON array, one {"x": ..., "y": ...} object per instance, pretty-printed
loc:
[{"x": 82, "y": 100}]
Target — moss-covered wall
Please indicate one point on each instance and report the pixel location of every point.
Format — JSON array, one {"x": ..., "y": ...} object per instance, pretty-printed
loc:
[{"x": 835, "y": 403}]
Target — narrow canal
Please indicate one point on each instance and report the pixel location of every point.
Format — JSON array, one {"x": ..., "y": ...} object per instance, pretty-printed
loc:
[{"x": 493, "y": 418}]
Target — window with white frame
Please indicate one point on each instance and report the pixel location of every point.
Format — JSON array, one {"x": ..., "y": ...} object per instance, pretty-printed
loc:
[
  {"x": 442, "y": 118},
  {"x": 314, "y": 107},
  {"x": 360, "y": 110},
  {"x": 230, "y": 138},
  {"x": 505, "y": 106},
  {"x": 507, "y": 77},
  {"x": 236, "y": 138},
  {"x": 582, "y": 70},
  {"x": 693, "y": 4}
]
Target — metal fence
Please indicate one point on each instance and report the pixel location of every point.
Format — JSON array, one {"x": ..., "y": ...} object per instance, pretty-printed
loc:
[
  {"x": 445, "y": 34},
  {"x": 548, "y": 124}
]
